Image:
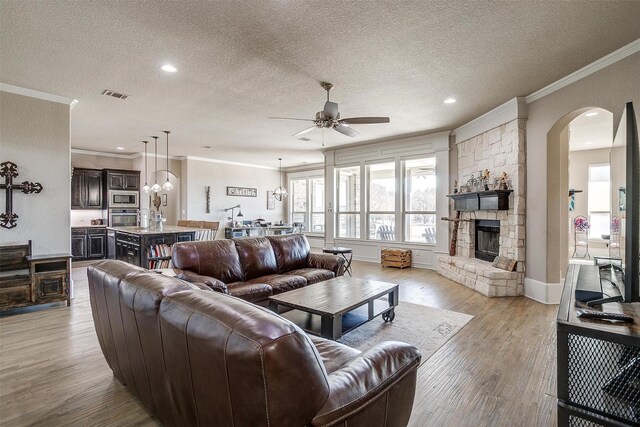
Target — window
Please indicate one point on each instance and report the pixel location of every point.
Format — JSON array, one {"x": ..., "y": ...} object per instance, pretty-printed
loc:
[
  {"x": 299, "y": 210},
  {"x": 420, "y": 200},
  {"x": 307, "y": 203},
  {"x": 348, "y": 209},
  {"x": 382, "y": 201},
  {"x": 599, "y": 200}
]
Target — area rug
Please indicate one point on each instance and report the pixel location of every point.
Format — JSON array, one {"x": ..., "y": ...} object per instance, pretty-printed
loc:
[{"x": 427, "y": 328}]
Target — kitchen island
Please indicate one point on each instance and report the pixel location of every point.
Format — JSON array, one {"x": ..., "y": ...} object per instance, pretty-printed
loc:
[{"x": 148, "y": 248}]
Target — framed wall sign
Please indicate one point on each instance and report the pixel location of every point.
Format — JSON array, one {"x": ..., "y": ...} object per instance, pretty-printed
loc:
[
  {"x": 242, "y": 191},
  {"x": 271, "y": 201}
]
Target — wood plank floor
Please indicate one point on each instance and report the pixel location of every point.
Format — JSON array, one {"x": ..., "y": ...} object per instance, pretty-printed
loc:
[{"x": 499, "y": 370}]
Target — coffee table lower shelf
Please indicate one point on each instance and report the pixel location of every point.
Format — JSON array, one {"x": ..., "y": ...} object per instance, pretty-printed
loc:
[
  {"x": 380, "y": 299},
  {"x": 335, "y": 327}
]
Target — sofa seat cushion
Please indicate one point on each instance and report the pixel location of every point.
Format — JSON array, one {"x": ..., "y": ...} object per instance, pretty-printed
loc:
[
  {"x": 252, "y": 292},
  {"x": 313, "y": 275},
  {"x": 281, "y": 282},
  {"x": 334, "y": 355}
]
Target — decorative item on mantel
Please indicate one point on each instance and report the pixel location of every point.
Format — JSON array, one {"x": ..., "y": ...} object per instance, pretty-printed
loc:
[
  {"x": 486, "y": 174},
  {"x": 9, "y": 170}
]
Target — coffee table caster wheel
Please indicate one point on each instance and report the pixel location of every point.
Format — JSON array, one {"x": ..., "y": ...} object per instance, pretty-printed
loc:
[{"x": 389, "y": 315}]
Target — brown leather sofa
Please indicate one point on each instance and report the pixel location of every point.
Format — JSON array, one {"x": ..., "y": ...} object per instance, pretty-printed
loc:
[
  {"x": 255, "y": 268},
  {"x": 196, "y": 357}
]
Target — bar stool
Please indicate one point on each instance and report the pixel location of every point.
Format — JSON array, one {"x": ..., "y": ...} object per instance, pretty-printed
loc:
[{"x": 344, "y": 252}]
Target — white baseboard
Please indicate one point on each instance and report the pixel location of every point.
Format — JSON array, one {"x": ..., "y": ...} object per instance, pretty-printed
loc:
[{"x": 546, "y": 293}]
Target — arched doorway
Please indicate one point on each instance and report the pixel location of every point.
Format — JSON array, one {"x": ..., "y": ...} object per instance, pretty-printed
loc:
[{"x": 568, "y": 135}]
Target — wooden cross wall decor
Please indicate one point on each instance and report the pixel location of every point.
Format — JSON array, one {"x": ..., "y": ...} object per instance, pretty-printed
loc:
[{"x": 9, "y": 170}]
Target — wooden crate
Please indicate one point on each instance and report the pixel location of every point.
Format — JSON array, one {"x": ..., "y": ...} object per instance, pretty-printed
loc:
[{"x": 400, "y": 258}]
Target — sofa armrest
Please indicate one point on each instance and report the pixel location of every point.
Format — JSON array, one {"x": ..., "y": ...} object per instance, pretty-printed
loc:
[
  {"x": 206, "y": 281},
  {"x": 334, "y": 263},
  {"x": 367, "y": 377}
]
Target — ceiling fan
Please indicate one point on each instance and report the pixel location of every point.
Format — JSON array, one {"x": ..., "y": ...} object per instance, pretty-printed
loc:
[{"x": 329, "y": 117}]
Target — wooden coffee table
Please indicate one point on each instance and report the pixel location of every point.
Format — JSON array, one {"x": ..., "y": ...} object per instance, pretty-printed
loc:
[{"x": 342, "y": 304}]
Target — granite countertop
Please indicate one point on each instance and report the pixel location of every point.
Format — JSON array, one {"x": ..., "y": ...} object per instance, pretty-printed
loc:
[
  {"x": 89, "y": 226},
  {"x": 167, "y": 229}
]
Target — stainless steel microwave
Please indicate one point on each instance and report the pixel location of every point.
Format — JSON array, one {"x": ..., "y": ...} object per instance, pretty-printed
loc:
[{"x": 123, "y": 199}]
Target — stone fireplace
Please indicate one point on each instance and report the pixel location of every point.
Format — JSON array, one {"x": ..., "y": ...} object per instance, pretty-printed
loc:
[{"x": 491, "y": 233}]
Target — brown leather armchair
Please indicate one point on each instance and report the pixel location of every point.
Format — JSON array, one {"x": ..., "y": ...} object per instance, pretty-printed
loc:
[
  {"x": 255, "y": 268},
  {"x": 196, "y": 357}
]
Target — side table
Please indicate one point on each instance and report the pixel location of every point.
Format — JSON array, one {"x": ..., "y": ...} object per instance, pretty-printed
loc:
[{"x": 344, "y": 252}]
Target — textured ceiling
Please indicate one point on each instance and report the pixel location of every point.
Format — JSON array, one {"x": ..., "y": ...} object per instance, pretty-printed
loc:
[{"x": 242, "y": 61}]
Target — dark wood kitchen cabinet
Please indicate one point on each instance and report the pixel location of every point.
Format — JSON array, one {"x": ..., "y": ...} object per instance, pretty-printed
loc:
[
  {"x": 86, "y": 189},
  {"x": 88, "y": 243},
  {"x": 122, "y": 180}
]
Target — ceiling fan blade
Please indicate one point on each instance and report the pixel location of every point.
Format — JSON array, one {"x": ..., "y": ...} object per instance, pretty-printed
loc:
[
  {"x": 346, "y": 130},
  {"x": 331, "y": 110},
  {"x": 365, "y": 120},
  {"x": 290, "y": 118},
  {"x": 302, "y": 132}
]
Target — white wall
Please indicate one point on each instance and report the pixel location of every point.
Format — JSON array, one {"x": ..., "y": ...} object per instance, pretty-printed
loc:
[
  {"x": 34, "y": 134},
  {"x": 200, "y": 173}
]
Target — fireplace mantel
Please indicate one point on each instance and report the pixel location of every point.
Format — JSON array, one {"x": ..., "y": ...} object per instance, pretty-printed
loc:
[{"x": 481, "y": 200}]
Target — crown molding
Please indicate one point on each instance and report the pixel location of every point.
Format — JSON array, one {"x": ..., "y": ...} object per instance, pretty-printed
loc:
[
  {"x": 123, "y": 156},
  {"x": 228, "y": 162},
  {"x": 587, "y": 70},
  {"x": 4, "y": 87},
  {"x": 515, "y": 108}
]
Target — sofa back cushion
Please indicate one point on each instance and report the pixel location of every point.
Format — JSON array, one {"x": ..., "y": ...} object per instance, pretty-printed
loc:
[
  {"x": 256, "y": 257},
  {"x": 291, "y": 251},
  {"x": 215, "y": 258},
  {"x": 231, "y": 363},
  {"x": 125, "y": 300}
]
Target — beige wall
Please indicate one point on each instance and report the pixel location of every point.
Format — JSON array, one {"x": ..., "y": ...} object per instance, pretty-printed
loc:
[
  {"x": 579, "y": 162},
  {"x": 608, "y": 88},
  {"x": 92, "y": 161},
  {"x": 219, "y": 175},
  {"x": 34, "y": 134}
]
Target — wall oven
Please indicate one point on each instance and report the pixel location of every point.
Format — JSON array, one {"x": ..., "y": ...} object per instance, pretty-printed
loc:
[
  {"x": 123, "y": 199},
  {"x": 123, "y": 217}
]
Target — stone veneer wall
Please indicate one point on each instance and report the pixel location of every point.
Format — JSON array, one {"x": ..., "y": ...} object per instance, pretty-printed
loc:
[{"x": 501, "y": 149}]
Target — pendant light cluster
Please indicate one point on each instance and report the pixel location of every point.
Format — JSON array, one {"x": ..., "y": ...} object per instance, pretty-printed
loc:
[
  {"x": 167, "y": 186},
  {"x": 280, "y": 193}
]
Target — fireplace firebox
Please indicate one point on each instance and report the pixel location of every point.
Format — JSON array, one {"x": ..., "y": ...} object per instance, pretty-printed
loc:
[{"x": 487, "y": 245}]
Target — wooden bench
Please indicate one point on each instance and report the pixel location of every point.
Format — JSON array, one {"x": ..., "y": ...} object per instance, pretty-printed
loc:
[{"x": 15, "y": 279}]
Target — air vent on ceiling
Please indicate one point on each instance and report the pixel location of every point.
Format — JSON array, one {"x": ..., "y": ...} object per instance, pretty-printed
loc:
[
  {"x": 108, "y": 92},
  {"x": 304, "y": 138}
]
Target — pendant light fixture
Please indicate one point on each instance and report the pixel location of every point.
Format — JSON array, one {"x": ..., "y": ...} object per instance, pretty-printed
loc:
[
  {"x": 145, "y": 187},
  {"x": 280, "y": 193},
  {"x": 168, "y": 186},
  {"x": 156, "y": 187}
]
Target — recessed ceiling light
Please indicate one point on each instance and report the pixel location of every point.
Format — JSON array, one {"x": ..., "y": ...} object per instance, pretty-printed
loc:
[
  {"x": 449, "y": 101},
  {"x": 591, "y": 114},
  {"x": 119, "y": 148},
  {"x": 169, "y": 68}
]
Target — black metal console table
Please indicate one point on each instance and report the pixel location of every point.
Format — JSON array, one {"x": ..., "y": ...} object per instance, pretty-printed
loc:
[{"x": 598, "y": 364}]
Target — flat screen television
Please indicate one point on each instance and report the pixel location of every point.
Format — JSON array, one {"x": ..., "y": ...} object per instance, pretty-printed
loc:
[{"x": 625, "y": 203}]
